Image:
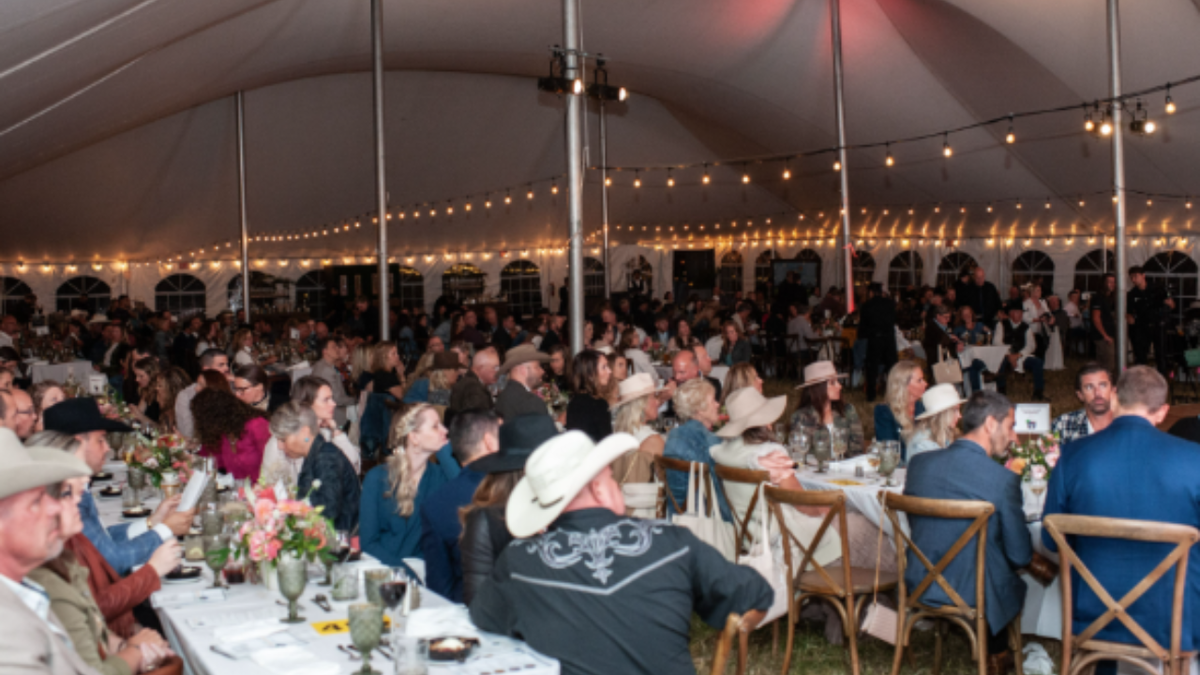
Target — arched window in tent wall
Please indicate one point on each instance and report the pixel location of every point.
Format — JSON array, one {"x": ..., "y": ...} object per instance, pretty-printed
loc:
[
  {"x": 463, "y": 281},
  {"x": 12, "y": 294},
  {"x": 730, "y": 274},
  {"x": 411, "y": 289},
  {"x": 763, "y": 281},
  {"x": 593, "y": 278},
  {"x": 1091, "y": 268},
  {"x": 811, "y": 271},
  {"x": 863, "y": 269},
  {"x": 182, "y": 294},
  {"x": 1032, "y": 267},
  {"x": 906, "y": 270},
  {"x": 953, "y": 265},
  {"x": 70, "y": 295},
  {"x": 312, "y": 294},
  {"x": 1176, "y": 271},
  {"x": 521, "y": 281}
]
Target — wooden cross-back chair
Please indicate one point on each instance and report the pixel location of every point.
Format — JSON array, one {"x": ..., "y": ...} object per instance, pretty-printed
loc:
[
  {"x": 973, "y": 620},
  {"x": 741, "y": 521},
  {"x": 725, "y": 646},
  {"x": 664, "y": 464},
  {"x": 1081, "y": 650},
  {"x": 836, "y": 584}
]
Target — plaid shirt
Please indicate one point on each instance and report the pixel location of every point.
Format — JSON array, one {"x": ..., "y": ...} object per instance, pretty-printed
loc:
[{"x": 1071, "y": 426}]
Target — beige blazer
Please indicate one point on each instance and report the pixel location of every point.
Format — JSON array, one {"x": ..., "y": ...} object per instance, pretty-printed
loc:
[{"x": 29, "y": 646}]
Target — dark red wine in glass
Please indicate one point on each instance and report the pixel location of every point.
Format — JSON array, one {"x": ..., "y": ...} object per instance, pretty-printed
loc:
[
  {"x": 343, "y": 554},
  {"x": 392, "y": 593}
]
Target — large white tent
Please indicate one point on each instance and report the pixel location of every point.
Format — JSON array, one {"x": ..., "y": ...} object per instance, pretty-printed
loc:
[{"x": 118, "y": 153}]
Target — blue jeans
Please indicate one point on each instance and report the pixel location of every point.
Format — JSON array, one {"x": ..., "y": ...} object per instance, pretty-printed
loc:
[
  {"x": 1033, "y": 365},
  {"x": 975, "y": 374}
]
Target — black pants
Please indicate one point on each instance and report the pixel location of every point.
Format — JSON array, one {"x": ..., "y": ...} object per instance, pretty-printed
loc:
[
  {"x": 878, "y": 356},
  {"x": 1140, "y": 340},
  {"x": 997, "y": 643}
]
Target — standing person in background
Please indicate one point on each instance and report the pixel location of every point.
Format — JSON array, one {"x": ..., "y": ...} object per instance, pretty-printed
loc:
[
  {"x": 1104, "y": 322},
  {"x": 877, "y": 325},
  {"x": 982, "y": 296},
  {"x": 1147, "y": 316}
]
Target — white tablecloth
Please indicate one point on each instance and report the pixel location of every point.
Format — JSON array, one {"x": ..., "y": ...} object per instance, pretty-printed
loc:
[
  {"x": 193, "y": 640},
  {"x": 993, "y": 357},
  {"x": 1042, "y": 615},
  {"x": 60, "y": 372}
]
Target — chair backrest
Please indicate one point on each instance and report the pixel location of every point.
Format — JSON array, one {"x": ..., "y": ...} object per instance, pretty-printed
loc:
[
  {"x": 1060, "y": 526},
  {"x": 976, "y": 511},
  {"x": 741, "y": 522},
  {"x": 664, "y": 464},
  {"x": 835, "y": 501}
]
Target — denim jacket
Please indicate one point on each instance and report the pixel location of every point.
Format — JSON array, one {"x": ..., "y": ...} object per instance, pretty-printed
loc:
[{"x": 692, "y": 442}]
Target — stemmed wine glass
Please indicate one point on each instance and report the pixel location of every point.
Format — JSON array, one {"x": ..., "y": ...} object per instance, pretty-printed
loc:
[
  {"x": 366, "y": 630},
  {"x": 341, "y": 553},
  {"x": 213, "y": 544},
  {"x": 137, "y": 481},
  {"x": 392, "y": 593},
  {"x": 1038, "y": 488}
]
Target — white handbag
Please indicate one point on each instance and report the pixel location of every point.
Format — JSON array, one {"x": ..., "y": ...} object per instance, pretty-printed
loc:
[
  {"x": 761, "y": 559},
  {"x": 704, "y": 519},
  {"x": 947, "y": 370}
]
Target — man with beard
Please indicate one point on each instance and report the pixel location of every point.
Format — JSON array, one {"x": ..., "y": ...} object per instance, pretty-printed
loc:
[{"x": 1093, "y": 386}]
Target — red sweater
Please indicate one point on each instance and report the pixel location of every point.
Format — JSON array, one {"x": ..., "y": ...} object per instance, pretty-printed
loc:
[{"x": 245, "y": 459}]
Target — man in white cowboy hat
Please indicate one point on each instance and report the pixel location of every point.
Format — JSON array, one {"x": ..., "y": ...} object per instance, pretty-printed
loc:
[
  {"x": 523, "y": 364},
  {"x": 33, "y": 641},
  {"x": 601, "y": 592}
]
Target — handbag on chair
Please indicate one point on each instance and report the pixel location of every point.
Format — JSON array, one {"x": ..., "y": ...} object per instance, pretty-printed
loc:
[
  {"x": 704, "y": 520},
  {"x": 947, "y": 371},
  {"x": 761, "y": 559}
]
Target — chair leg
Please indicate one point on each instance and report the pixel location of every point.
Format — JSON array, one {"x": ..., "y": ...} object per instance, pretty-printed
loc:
[
  {"x": 899, "y": 653},
  {"x": 851, "y": 630},
  {"x": 1014, "y": 638},
  {"x": 939, "y": 630},
  {"x": 981, "y": 653},
  {"x": 744, "y": 653},
  {"x": 792, "y": 615}
]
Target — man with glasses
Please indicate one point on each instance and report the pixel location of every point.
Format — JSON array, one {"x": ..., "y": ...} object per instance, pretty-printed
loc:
[{"x": 33, "y": 641}]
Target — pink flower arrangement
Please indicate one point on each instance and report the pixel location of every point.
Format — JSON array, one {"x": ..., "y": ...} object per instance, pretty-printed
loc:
[
  {"x": 1035, "y": 458},
  {"x": 291, "y": 525},
  {"x": 158, "y": 454}
]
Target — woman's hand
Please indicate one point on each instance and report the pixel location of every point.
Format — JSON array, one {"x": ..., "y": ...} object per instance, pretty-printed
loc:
[
  {"x": 166, "y": 557},
  {"x": 779, "y": 466}
]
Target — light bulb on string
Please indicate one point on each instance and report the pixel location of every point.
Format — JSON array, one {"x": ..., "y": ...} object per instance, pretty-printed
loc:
[
  {"x": 745, "y": 177},
  {"x": 507, "y": 197},
  {"x": 637, "y": 180},
  {"x": 787, "y": 171},
  {"x": 1170, "y": 105},
  {"x": 529, "y": 194},
  {"x": 1089, "y": 124},
  {"x": 1010, "y": 137},
  {"x": 946, "y": 150},
  {"x": 554, "y": 188},
  {"x": 889, "y": 160},
  {"x": 670, "y": 179},
  {"x": 608, "y": 181},
  {"x": 837, "y": 165}
]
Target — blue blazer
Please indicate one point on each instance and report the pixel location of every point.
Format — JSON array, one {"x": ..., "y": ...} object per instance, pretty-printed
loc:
[
  {"x": 964, "y": 471},
  {"x": 887, "y": 428},
  {"x": 113, "y": 542},
  {"x": 1130, "y": 470},
  {"x": 441, "y": 530}
]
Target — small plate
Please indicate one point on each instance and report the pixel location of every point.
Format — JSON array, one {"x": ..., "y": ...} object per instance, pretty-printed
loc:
[
  {"x": 110, "y": 491},
  {"x": 136, "y": 513},
  {"x": 102, "y": 476},
  {"x": 438, "y": 652},
  {"x": 185, "y": 574}
]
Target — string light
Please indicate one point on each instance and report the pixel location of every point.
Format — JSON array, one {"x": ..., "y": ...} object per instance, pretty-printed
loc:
[
  {"x": 637, "y": 180},
  {"x": 837, "y": 165},
  {"x": 946, "y": 151},
  {"x": 705, "y": 179},
  {"x": 1010, "y": 137},
  {"x": 1170, "y": 105},
  {"x": 787, "y": 171},
  {"x": 507, "y": 197},
  {"x": 553, "y": 188},
  {"x": 670, "y": 179},
  {"x": 889, "y": 160}
]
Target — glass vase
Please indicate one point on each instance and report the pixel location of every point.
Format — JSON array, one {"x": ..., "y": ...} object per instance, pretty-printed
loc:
[{"x": 293, "y": 576}]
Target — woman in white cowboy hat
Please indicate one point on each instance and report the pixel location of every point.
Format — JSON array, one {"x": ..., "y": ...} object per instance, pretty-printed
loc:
[
  {"x": 937, "y": 427},
  {"x": 821, "y": 406},
  {"x": 637, "y": 405}
]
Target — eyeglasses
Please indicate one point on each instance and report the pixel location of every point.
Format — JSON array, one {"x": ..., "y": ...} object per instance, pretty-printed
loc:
[{"x": 27, "y": 411}]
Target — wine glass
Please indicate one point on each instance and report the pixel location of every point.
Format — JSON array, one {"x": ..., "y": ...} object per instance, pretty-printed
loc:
[
  {"x": 392, "y": 593},
  {"x": 366, "y": 630},
  {"x": 837, "y": 438},
  {"x": 889, "y": 460},
  {"x": 341, "y": 553},
  {"x": 822, "y": 449},
  {"x": 873, "y": 455},
  {"x": 1038, "y": 487},
  {"x": 137, "y": 481},
  {"x": 213, "y": 545}
]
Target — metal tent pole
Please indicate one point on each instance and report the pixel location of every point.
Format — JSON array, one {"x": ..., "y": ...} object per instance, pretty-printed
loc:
[
  {"x": 1118, "y": 161},
  {"x": 573, "y": 72},
  {"x": 239, "y": 98},
  {"x": 604, "y": 191},
  {"x": 380, "y": 161},
  {"x": 846, "y": 258}
]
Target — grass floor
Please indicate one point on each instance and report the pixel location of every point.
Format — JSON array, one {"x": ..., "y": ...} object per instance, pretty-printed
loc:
[{"x": 813, "y": 654}]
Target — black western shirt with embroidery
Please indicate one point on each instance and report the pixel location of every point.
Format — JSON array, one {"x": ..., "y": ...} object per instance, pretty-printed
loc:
[{"x": 606, "y": 594}]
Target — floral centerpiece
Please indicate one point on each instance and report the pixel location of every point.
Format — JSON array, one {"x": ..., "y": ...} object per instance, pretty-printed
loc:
[
  {"x": 161, "y": 454},
  {"x": 1035, "y": 458},
  {"x": 279, "y": 526},
  {"x": 658, "y": 352},
  {"x": 555, "y": 399}
]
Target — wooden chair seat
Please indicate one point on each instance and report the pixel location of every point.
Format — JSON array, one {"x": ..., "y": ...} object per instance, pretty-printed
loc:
[{"x": 862, "y": 581}]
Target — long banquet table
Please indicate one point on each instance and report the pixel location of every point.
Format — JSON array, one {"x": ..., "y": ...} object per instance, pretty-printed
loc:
[{"x": 194, "y": 623}]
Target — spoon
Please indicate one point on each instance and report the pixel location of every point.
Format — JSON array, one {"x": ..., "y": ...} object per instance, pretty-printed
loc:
[{"x": 323, "y": 602}]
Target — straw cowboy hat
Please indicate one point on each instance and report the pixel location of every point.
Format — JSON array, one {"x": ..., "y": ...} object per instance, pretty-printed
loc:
[
  {"x": 819, "y": 371},
  {"x": 939, "y": 398},
  {"x": 635, "y": 387},
  {"x": 519, "y": 437},
  {"x": 23, "y": 468},
  {"x": 555, "y": 473},
  {"x": 522, "y": 354},
  {"x": 748, "y": 409}
]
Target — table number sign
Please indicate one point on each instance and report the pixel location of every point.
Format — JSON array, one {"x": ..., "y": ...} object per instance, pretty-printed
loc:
[{"x": 1032, "y": 418}]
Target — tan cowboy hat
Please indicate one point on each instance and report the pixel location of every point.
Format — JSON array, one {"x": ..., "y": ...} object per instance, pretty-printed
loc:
[
  {"x": 554, "y": 475},
  {"x": 24, "y": 468},
  {"x": 748, "y": 409},
  {"x": 635, "y": 387},
  {"x": 522, "y": 354},
  {"x": 937, "y": 399},
  {"x": 819, "y": 371}
]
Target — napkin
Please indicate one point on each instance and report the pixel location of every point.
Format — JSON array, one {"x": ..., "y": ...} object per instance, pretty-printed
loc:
[
  {"x": 1037, "y": 660},
  {"x": 432, "y": 622},
  {"x": 293, "y": 661},
  {"x": 848, "y": 465},
  {"x": 250, "y": 630}
]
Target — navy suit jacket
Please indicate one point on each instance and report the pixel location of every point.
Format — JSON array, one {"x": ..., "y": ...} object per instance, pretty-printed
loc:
[
  {"x": 964, "y": 471},
  {"x": 1130, "y": 470},
  {"x": 441, "y": 530}
]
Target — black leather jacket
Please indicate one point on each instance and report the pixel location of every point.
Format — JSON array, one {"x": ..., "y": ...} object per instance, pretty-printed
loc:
[{"x": 484, "y": 536}]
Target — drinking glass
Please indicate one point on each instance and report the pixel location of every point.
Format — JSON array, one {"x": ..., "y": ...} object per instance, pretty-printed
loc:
[
  {"x": 213, "y": 543},
  {"x": 366, "y": 630},
  {"x": 392, "y": 593},
  {"x": 411, "y": 655},
  {"x": 372, "y": 579},
  {"x": 212, "y": 521},
  {"x": 1038, "y": 488},
  {"x": 889, "y": 460},
  {"x": 341, "y": 543},
  {"x": 837, "y": 437},
  {"x": 345, "y": 582},
  {"x": 293, "y": 576},
  {"x": 822, "y": 449},
  {"x": 129, "y": 498},
  {"x": 137, "y": 481},
  {"x": 873, "y": 455}
]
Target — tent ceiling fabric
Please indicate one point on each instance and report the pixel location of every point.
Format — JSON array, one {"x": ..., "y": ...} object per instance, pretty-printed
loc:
[{"x": 116, "y": 130}]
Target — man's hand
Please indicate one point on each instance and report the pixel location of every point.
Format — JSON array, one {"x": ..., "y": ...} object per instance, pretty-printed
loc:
[
  {"x": 180, "y": 521},
  {"x": 166, "y": 508}
]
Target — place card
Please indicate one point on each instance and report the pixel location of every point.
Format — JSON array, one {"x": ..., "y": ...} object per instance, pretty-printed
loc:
[
  {"x": 160, "y": 599},
  {"x": 1031, "y": 418}
]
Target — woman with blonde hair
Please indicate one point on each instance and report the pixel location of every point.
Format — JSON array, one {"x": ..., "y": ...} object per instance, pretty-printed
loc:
[
  {"x": 894, "y": 418},
  {"x": 360, "y": 366},
  {"x": 636, "y": 406},
  {"x": 392, "y": 493},
  {"x": 937, "y": 427},
  {"x": 387, "y": 371},
  {"x": 45, "y": 394},
  {"x": 740, "y": 376}
]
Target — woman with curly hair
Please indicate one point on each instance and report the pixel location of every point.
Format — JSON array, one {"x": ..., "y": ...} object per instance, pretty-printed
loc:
[
  {"x": 232, "y": 432},
  {"x": 392, "y": 493}
]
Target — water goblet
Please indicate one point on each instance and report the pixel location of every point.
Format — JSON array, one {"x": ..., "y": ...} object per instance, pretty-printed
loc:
[
  {"x": 345, "y": 582},
  {"x": 366, "y": 630},
  {"x": 837, "y": 437},
  {"x": 411, "y": 654},
  {"x": 293, "y": 576},
  {"x": 372, "y": 580},
  {"x": 137, "y": 481},
  {"x": 889, "y": 460},
  {"x": 215, "y": 554},
  {"x": 822, "y": 449}
]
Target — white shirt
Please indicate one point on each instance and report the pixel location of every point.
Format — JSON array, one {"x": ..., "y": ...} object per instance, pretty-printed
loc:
[
  {"x": 1074, "y": 314},
  {"x": 278, "y": 465},
  {"x": 798, "y": 325},
  {"x": 109, "y": 353},
  {"x": 35, "y": 598},
  {"x": 1030, "y": 343},
  {"x": 243, "y": 357},
  {"x": 5, "y": 339},
  {"x": 184, "y": 423}
]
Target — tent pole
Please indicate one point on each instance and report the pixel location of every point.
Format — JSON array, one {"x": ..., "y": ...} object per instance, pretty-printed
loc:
[
  {"x": 572, "y": 71},
  {"x": 604, "y": 190},
  {"x": 845, "y": 261},
  {"x": 245, "y": 227},
  {"x": 380, "y": 162},
  {"x": 1118, "y": 161}
]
